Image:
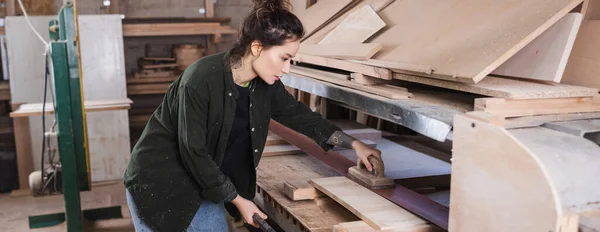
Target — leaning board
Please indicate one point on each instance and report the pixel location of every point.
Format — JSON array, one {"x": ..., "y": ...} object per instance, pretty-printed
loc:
[{"x": 464, "y": 40}]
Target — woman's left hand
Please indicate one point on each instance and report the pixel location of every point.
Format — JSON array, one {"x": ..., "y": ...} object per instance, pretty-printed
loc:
[{"x": 363, "y": 152}]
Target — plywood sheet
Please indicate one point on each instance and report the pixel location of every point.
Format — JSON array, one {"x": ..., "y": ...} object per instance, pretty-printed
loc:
[
  {"x": 545, "y": 58},
  {"x": 356, "y": 28},
  {"x": 375, "y": 210},
  {"x": 103, "y": 75},
  {"x": 507, "y": 88},
  {"x": 359, "y": 51},
  {"x": 321, "y": 12},
  {"x": 464, "y": 38},
  {"x": 583, "y": 68}
]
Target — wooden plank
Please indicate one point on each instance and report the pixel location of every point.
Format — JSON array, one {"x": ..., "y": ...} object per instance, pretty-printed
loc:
[
  {"x": 158, "y": 66},
  {"x": 149, "y": 80},
  {"x": 396, "y": 93},
  {"x": 168, "y": 29},
  {"x": 301, "y": 190},
  {"x": 340, "y": 50},
  {"x": 11, "y": 7},
  {"x": 478, "y": 36},
  {"x": 286, "y": 149},
  {"x": 34, "y": 109},
  {"x": 366, "y": 134},
  {"x": 321, "y": 12},
  {"x": 506, "y": 88},
  {"x": 23, "y": 151},
  {"x": 357, "y": 27},
  {"x": 530, "y": 107},
  {"x": 365, "y": 80},
  {"x": 361, "y": 226},
  {"x": 583, "y": 68},
  {"x": 377, "y": 6},
  {"x": 155, "y": 88},
  {"x": 381, "y": 73},
  {"x": 545, "y": 58},
  {"x": 210, "y": 8},
  {"x": 375, "y": 210}
]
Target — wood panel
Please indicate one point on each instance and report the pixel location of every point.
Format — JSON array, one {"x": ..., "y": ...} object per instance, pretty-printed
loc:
[
  {"x": 392, "y": 92},
  {"x": 359, "y": 51},
  {"x": 382, "y": 73},
  {"x": 377, "y": 5},
  {"x": 356, "y": 28},
  {"x": 467, "y": 39},
  {"x": 375, "y": 210},
  {"x": 545, "y": 58},
  {"x": 583, "y": 68},
  {"x": 530, "y": 107},
  {"x": 321, "y": 12},
  {"x": 507, "y": 88}
]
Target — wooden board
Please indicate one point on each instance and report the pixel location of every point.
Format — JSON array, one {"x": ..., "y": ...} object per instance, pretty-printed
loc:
[
  {"x": 375, "y": 210},
  {"x": 286, "y": 149},
  {"x": 369, "y": 134},
  {"x": 359, "y": 51},
  {"x": 357, "y": 27},
  {"x": 273, "y": 172},
  {"x": 321, "y": 12},
  {"x": 517, "y": 108},
  {"x": 545, "y": 58},
  {"x": 344, "y": 65},
  {"x": 464, "y": 40},
  {"x": 377, "y": 6},
  {"x": 361, "y": 226},
  {"x": 169, "y": 29},
  {"x": 583, "y": 68},
  {"x": 381, "y": 90},
  {"x": 507, "y": 88},
  {"x": 34, "y": 109}
]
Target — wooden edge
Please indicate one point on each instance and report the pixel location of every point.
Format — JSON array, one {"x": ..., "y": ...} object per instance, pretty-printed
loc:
[
  {"x": 22, "y": 112},
  {"x": 361, "y": 226},
  {"x": 377, "y": 72},
  {"x": 397, "y": 65},
  {"x": 486, "y": 117},
  {"x": 530, "y": 107}
]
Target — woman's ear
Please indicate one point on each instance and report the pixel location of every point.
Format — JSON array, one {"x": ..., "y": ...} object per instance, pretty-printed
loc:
[{"x": 256, "y": 47}]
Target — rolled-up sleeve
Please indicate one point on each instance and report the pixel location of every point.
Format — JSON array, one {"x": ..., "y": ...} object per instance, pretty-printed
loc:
[
  {"x": 297, "y": 116},
  {"x": 192, "y": 110}
]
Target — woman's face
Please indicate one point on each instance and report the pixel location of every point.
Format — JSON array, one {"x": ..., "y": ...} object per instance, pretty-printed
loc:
[{"x": 273, "y": 62}]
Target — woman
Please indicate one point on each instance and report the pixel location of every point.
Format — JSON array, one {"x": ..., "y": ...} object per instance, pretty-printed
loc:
[{"x": 200, "y": 148}]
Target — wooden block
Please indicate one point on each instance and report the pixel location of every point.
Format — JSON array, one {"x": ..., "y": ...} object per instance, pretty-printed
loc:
[
  {"x": 384, "y": 91},
  {"x": 33, "y": 109},
  {"x": 361, "y": 226},
  {"x": 359, "y": 51},
  {"x": 506, "y": 88},
  {"x": 464, "y": 40},
  {"x": 357, "y": 27},
  {"x": 301, "y": 190},
  {"x": 375, "y": 210},
  {"x": 318, "y": 14},
  {"x": 583, "y": 68},
  {"x": 377, "y": 6},
  {"x": 364, "y": 177},
  {"x": 382, "y": 73},
  {"x": 545, "y": 58},
  {"x": 516, "y": 108},
  {"x": 365, "y": 80}
]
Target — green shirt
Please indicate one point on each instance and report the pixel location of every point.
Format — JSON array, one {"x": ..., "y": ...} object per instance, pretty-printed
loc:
[{"x": 175, "y": 164}]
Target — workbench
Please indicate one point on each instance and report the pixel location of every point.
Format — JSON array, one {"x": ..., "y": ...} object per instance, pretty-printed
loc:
[{"x": 548, "y": 146}]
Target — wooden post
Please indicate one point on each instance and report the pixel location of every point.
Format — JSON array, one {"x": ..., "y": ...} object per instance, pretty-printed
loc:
[
  {"x": 11, "y": 7},
  {"x": 23, "y": 151},
  {"x": 209, "y": 6},
  {"x": 114, "y": 7}
]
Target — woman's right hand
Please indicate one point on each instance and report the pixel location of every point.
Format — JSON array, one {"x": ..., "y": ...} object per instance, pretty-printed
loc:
[{"x": 247, "y": 209}]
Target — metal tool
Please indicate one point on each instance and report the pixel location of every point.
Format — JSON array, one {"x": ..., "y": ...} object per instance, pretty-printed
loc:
[{"x": 262, "y": 223}]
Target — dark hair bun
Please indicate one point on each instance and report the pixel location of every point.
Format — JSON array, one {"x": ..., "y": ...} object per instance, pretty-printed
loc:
[{"x": 261, "y": 6}]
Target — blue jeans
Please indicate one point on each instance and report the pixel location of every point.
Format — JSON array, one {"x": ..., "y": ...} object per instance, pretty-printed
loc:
[{"x": 210, "y": 217}]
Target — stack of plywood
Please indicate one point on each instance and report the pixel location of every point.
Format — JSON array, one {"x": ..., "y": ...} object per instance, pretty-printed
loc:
[{"x": 516, "y": 52}]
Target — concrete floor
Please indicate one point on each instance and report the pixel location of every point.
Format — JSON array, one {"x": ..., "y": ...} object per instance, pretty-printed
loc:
[{"x": 14, "y": 210}]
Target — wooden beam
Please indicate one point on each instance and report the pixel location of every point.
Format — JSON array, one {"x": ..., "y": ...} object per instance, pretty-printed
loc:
[
  {"x": 23, "y": 149},
  {"x": 34, "y": 109},
  {"x": 359, "y": 51},
  {"x": 210, "y": 8},
  {"x": 530, "y": 107},
  {"x": 169, "y": 29},
  {"x": 301, "y": 190}
]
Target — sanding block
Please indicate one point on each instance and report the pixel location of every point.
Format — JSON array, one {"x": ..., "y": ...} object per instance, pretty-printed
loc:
[{"x": 372, "y": 180}]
